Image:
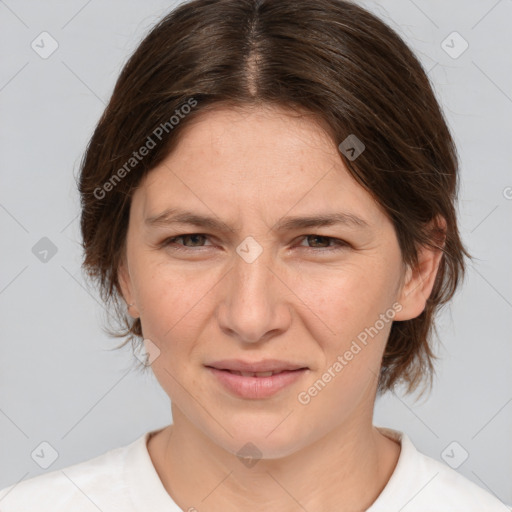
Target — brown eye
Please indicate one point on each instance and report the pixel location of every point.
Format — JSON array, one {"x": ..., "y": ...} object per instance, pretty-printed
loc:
[
  {"x": 187, "y": 241},
  {"x": 318, "y": 241},
  {"x": 195, "y": 239},
  {"x": 324, "y": 242}
]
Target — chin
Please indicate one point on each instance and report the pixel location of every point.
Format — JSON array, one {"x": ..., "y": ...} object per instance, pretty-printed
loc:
[{"x": 266, "y": 438}]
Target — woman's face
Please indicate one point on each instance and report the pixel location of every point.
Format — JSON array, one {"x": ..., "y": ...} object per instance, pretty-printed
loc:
[{"x": 253, "y": 283}]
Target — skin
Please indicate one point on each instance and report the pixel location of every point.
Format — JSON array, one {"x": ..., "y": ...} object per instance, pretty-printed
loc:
[{"x": 298, "y": 301}]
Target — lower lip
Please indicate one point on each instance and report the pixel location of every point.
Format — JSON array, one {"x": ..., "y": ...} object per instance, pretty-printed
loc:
[{"x": 256, "y": 387}]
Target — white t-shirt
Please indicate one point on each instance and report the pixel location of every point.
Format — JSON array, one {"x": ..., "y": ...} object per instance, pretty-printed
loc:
[{"x": 125, "y": 480}]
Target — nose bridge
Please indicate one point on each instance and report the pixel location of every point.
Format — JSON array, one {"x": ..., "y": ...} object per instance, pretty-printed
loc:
[
  {"x": 251, "y": 272},
  {"x": 252, "y": 305}
]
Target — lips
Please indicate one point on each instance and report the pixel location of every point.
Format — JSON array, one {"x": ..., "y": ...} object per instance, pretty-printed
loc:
[{"x": 256, "y": 379}]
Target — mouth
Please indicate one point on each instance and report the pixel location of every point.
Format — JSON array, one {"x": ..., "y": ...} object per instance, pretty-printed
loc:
[
  {"x": 263, "y": 367},
  {"x": 256, "y": 384},
  {"x": 256, "y": 374}
]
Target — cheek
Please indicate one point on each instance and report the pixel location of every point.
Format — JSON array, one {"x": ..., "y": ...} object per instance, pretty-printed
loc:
[
  {"x": 174, "y": 309},
  {"x": 348, "y": 300},
  {"x": 357, "y": 306},
  {"x": 172, "y": 301},
  {"x": 352, "y": 306}
]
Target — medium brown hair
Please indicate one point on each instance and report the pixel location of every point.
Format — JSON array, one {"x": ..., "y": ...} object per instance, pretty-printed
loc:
[{"x": 329, "y": 58}]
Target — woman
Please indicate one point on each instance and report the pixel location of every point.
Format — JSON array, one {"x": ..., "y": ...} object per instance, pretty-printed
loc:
[{"x": 271, "y": 192}]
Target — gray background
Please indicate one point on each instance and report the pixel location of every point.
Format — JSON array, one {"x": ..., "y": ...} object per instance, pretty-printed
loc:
[{"x": 60, "y": 379}]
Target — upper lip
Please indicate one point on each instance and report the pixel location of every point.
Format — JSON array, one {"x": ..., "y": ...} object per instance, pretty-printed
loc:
[{"x": 266, "y": 365}]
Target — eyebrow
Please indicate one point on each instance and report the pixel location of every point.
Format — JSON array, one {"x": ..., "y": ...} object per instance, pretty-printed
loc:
[{"x": 176, "y": 216}]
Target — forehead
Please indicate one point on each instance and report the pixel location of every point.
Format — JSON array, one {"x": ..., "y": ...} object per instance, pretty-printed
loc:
[
  {"x": 268, "y": 135},
  {"x": 263, "y": 158}
]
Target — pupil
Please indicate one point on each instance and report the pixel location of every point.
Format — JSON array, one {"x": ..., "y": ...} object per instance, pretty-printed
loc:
[
  {"x": 317, "y": 237},
  {"x": 194, "y": 237}
]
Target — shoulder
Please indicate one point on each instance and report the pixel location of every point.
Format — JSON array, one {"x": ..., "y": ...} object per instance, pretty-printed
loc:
[
  {"x": 97, "y": 483},
  {"x": 420, "y": 483},
  {"x": 452, "y": 489}
]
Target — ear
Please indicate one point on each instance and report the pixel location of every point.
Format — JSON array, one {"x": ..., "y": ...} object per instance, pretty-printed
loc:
[
  {"x": 419, "y": 281},
  {"x": 125, "y": 282}
]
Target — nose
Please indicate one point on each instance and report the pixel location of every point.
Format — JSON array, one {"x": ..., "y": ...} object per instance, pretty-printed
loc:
[{"x": 254, "y": 305}]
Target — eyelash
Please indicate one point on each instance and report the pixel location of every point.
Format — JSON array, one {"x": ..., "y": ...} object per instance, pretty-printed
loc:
[{"x": 338, "y": 243}]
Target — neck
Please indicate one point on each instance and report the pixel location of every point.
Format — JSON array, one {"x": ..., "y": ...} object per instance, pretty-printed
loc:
[{"x": 345, "y": 470}]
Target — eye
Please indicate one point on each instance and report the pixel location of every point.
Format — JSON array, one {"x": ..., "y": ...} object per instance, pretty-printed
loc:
[
  {"x": 318, "y": 243},
  {"x": 323, "y": 242},
  {"x": 195, "y": 239}
]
